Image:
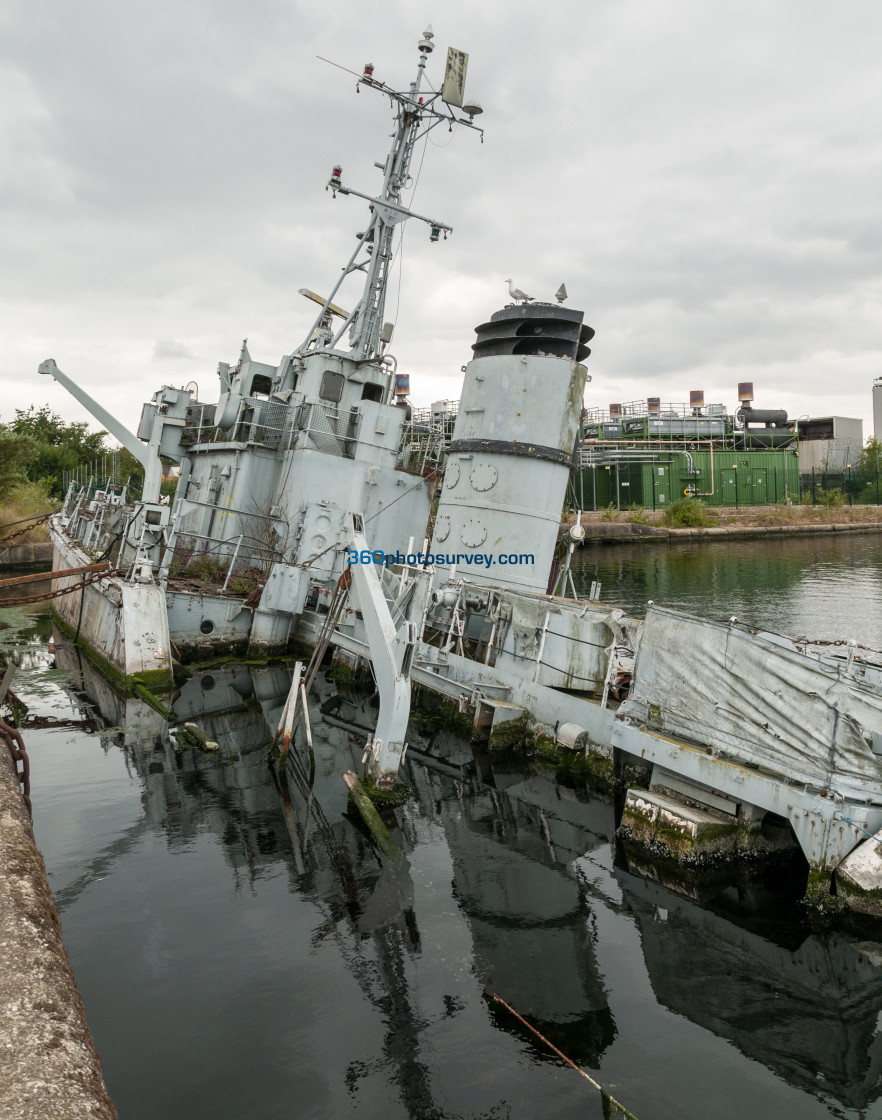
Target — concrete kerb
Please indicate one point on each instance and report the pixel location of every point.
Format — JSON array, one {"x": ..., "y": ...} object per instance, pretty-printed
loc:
[
  {"x": 602, "y": 533},
  {"x": 49, "y": 1067}
]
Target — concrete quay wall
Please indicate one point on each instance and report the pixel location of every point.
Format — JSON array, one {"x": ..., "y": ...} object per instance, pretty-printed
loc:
[
  {"x": 32, "y": 554},
  {"x": 613, "y": 532},
  {"x": 49, "y": 1067}
]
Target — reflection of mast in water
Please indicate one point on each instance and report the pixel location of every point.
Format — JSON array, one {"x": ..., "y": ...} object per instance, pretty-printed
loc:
[
  {"x": 379, "y": 907},
  {"x": 809, "y": 1008}
]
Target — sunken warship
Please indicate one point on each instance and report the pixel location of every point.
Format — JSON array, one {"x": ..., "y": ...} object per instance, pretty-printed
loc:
[{"x": 303, "y": 513}]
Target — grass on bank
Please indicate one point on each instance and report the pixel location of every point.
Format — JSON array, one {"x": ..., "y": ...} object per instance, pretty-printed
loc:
[
  {"x": 27, "y": 499},
  {"x": 692, "y": 512}
]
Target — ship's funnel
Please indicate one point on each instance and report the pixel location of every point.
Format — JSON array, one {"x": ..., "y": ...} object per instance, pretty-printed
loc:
[{"x": 512, "y": 447}]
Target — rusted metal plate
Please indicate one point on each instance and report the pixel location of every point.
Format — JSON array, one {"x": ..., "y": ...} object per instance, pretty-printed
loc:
[{"x": 453, "y": 87}]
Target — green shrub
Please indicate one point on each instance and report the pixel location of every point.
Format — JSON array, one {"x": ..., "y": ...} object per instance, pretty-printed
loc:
[
  {"x": 610, "y": 513},
  {"x": 207, "y": 568},
  {"x": 637, "y": 514},
  {"x": 870, "y": 495},
  {"x": 689, "y": 513},
  {"x": 26, "y": 499},
  {"x": 832, "y": 498},
  {"x": 247, "y": 580}
]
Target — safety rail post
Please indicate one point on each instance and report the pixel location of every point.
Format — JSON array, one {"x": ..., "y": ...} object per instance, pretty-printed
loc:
[{"x": 233, "y": 562}]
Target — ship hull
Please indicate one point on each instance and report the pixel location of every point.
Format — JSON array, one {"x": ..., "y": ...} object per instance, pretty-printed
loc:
[{"x": 122, "y": 626}]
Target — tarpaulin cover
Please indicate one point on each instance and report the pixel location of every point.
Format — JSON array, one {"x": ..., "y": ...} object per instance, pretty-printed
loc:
[{"x": 752, "y": 699}]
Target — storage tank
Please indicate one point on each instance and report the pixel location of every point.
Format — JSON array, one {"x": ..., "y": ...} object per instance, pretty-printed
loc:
[
  {"x": 512, "y": 447},
  {"x": 877, "y": 408}
]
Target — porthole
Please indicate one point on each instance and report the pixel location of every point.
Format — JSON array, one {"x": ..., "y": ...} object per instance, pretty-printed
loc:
[{"x": 206, "y": 626}]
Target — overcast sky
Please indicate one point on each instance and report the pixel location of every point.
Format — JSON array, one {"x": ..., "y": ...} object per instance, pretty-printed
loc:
[{"x": 705, "y": 177}]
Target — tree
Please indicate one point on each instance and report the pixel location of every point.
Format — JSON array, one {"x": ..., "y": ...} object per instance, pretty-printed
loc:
[
  {"x": 55, "y": 446},
  {"x": 868, "y": 474},
  {"x": 16, "y": 452},
  {"x": 870, "y": 459},
  {"x": 42, "y": 425},
  {"x": 130, "y": 469}
]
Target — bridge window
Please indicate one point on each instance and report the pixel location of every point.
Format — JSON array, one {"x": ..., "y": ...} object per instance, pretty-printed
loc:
[
  {"x": 261, "y": 386},
  {"x": 332, "y": 386}
]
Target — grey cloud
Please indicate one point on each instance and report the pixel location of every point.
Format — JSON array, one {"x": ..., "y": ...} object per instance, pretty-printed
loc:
[
  {"x": 170, "y": 349},
  {"x": 705, "y": 178}
]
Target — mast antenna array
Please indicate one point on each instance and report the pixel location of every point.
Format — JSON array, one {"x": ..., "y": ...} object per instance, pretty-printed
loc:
[{"x": 418, "y": 110}]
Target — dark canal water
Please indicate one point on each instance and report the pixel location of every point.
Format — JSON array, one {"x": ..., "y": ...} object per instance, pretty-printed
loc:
[{"x": 246, "y": 954}]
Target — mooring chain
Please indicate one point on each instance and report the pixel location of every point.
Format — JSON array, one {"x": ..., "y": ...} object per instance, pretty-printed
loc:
[
  {"x": 33, "y": 522},
  {"x": 11, "y": 736},
  {"x": 21, "y": 600},
  {"x": 833, "y": 642}
]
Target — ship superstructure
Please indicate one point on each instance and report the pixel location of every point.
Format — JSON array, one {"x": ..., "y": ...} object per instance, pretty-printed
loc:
[
  {"x": 302, "y": 511},
  {"x": 294, "y": 464}
]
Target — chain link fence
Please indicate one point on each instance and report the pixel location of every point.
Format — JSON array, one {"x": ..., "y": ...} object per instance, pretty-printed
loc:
[{"x": 851, "y": 486}]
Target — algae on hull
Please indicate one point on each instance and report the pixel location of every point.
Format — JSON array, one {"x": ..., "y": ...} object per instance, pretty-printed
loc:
[{"x": 154, "y": 680}]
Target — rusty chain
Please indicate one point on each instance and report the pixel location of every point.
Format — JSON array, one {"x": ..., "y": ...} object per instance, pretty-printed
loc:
[
  {"x": 21, "y": 600},
  {"x": 33, "y": 522},
  {"x": 11, "y": 736},
  {"x": 833, "y": 642}
]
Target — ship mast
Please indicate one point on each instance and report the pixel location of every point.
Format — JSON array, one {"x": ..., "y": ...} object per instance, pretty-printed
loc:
[{"x": 418, "y": 111}]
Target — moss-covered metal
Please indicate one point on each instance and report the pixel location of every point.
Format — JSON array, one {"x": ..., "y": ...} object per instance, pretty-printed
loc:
[
  {"x": 430, "y": 709},
  {"x": 372, "y": 820},
  {"x": 154, "y": 680},
  {"x": 858, "y": 898},
  {"x": 384, "y": 797}
]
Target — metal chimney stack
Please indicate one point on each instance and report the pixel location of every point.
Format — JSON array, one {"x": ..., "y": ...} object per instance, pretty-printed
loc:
[
  {"x": 745, "y": 392},
  {"x": 509, "y": 460}
]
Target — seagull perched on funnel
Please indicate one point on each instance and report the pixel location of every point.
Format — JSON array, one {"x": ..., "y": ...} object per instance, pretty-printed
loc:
[{"x": 517, "y": 295}]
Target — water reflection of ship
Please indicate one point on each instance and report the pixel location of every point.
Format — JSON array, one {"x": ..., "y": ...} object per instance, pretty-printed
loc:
[
  {"x": 531, "y": 925},
  {"x": 806, "y": 1006},
  {"x": 513, "y": 842},
  {"x": 184, "y": 792},
  {"x": 231, "y": 794}
]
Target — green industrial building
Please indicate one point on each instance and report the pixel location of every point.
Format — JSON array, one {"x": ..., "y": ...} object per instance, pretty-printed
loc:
[
  {"x": 651, "y": 454},
  {"x": 739, "y": 478}
]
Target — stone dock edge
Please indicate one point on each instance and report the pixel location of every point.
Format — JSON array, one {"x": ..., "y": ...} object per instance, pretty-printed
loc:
[
  {"x": 49, "y": 1067},
  {"x": 629, "y": 532},
  {"x": 29, "y": 555}
]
